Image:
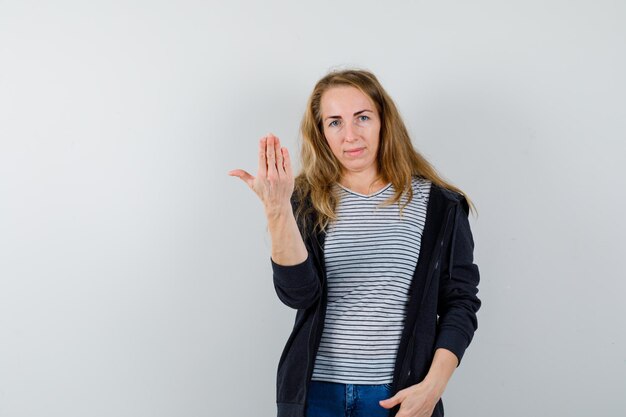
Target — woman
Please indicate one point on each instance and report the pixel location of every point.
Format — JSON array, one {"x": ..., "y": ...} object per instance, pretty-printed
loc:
[{"x": 374, "y": 250}]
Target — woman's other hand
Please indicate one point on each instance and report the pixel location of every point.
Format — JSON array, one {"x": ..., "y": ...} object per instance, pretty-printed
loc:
[
  {"x": 274, "y": 182},
  {"x": 418, "y": 400}
]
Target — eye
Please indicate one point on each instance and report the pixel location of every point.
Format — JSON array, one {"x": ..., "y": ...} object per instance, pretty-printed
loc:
[
  {"x": 333, "y": 123},
  {"x": 363, "y": 118}
]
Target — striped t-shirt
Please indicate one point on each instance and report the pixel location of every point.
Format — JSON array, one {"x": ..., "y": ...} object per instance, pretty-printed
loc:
[{"x": 370, "y": 254}]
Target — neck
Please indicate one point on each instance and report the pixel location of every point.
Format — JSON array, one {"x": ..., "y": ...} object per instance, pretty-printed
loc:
[{"x": 365, "y": 181}]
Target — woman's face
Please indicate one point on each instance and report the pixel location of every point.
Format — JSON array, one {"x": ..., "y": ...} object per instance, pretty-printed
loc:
[{"x": 352, "y": 128}]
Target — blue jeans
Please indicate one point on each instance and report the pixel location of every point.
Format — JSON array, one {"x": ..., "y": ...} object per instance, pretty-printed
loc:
[{"x": 330, "y": 399}]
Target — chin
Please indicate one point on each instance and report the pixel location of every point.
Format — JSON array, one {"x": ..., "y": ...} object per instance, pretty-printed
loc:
[{"x": 350, "y": 165}]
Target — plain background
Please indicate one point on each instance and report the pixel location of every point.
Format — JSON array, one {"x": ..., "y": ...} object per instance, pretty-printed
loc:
[{"x": 134, "y": 273}]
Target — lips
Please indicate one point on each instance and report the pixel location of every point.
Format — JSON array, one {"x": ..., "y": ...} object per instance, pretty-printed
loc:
[{"x": 354, "y": 151}]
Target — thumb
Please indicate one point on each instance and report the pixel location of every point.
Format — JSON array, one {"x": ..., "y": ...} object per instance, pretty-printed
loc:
[
  {"x": 243, "y": 175},
  {"x": 391, "y": 402}
]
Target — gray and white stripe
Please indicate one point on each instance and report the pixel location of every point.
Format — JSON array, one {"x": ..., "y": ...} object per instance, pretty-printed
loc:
[{"x": 370, "y": 253}]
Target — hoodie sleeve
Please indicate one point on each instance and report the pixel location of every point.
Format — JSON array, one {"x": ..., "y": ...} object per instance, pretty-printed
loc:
[
  {"x": 458, "y": 287},
  {"x": 297, "y": 286}
]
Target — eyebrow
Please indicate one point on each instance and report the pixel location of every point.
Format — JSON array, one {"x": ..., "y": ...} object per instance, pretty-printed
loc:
[{"x": 355, "y": 114}]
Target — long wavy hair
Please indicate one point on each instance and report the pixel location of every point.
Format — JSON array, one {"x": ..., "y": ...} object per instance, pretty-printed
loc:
[{"x": 398, "y": 161}]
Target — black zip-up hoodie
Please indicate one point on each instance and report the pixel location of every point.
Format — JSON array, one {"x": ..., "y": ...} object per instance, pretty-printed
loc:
[{"x": 441, "y": 312}]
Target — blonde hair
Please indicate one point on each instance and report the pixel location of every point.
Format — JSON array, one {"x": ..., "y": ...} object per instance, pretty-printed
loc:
[{"x": 398, "y": 161}]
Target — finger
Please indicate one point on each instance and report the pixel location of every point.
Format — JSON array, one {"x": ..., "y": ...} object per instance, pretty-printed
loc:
[
  {"x": 390, "y": 402},
  {"x": 279, "y": 158},
  {"x": 271, "y": 157},
  {"x": 243, "y": 175},
  {"x": 287, "y": 162},
  {"x": 262, "y": 171}
]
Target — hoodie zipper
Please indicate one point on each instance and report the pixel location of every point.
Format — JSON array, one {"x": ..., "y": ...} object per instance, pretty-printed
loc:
[
  {"x": 405, "y": 369},
  {"x": 315, "y": 324}
]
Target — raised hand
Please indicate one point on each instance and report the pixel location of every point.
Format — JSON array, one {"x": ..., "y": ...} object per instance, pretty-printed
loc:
[{"x": 274, "y": 181}]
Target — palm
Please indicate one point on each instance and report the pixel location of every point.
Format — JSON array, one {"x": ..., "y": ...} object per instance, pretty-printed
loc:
[{"x": 274, "y": 182}]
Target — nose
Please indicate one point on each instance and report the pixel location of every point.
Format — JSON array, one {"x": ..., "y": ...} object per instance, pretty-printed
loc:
[{"x": 350, "y": 132}]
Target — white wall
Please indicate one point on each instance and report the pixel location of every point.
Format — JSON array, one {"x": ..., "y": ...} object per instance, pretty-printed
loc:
[{"x": 134, "y": 273}]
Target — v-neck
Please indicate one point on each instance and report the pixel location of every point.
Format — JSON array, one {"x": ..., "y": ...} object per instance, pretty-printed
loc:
[{"x": 375, "y": 193}]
